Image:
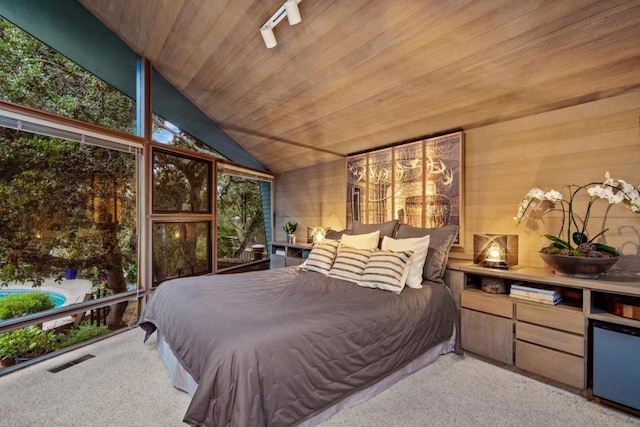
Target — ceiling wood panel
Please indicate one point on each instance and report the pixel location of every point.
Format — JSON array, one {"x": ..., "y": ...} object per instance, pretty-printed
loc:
[{"x": 360, "y": 74}]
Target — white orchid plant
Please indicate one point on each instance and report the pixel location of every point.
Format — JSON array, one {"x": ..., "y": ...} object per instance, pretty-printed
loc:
[{"x": 574, "y": 228}]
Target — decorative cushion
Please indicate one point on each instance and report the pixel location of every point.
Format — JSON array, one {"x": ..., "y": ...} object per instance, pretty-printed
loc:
[
  {"x": 321, "y": 257},
  {"x": 441, "y": 241},
  {"x": 386, "y": 229},
  {"x": 361, "y": 241},
  {"x": 349, "y": 264},
  {"x": 386, "y": 270},
  {"x": 419, "y": 246}
]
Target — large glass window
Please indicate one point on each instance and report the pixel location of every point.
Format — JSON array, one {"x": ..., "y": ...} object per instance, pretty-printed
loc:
[
  {"x": 35, "y": 75},
  {"x": 240, "y": 216},
  {"x": 68, "y": 235},
  {"x": 68, "y": 210}
]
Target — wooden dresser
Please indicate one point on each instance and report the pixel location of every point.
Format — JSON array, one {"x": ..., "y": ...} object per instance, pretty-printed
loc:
[{"x": 549, "y": 342}]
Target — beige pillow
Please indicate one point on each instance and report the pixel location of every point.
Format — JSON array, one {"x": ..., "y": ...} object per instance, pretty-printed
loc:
[
  {"x": 419, "y": 246},
  {"x": 361, "y": 241}
]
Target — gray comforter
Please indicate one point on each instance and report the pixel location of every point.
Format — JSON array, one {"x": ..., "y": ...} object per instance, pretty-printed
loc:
[{"x": 275, "y": 347}]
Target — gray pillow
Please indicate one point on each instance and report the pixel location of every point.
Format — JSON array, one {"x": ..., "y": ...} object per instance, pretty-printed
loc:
[
  {"x": 335, "y": 234},
  {"x": 386, "y": 229},
  {"x": 439, "y": 244}
]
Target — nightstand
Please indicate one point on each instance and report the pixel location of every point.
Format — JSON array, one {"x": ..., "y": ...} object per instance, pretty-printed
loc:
[{"x": 285, "y": 254}]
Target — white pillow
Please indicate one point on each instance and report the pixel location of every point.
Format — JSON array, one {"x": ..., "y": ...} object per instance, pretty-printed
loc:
[
  {"x": 349, "y": 264},
  {"x": 321, "y": 257},
  {"x": 419, "y": 246},
  {"x": 386, "y": 270},
  {"x": 367, "y": 241}
]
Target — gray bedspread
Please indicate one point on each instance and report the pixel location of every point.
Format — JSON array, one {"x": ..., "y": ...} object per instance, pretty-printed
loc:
[{"x": 277, "y": 346}]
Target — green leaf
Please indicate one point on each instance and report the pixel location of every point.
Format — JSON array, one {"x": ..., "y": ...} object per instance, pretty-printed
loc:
[
  {"x": 606, "y": 248},
  {"x": 557, "y": 241}
]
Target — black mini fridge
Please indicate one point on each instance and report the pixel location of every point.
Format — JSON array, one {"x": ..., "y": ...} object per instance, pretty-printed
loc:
[{"x": 616, "y": 363}]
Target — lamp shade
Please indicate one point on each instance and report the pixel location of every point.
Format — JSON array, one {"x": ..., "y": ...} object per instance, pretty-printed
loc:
[
  {"x": 267, "y": 35},
  {"x": 495, "y": 250},
  {"x": 293, "y": 12}
]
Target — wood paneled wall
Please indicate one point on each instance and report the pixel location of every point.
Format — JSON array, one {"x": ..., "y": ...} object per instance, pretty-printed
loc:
[
  {"x": 313, "y": 196},
  {"x": 573, "y": 145}
]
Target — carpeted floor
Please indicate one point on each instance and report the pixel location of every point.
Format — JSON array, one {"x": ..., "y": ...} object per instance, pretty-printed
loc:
[{"x": 126, "y": 384}]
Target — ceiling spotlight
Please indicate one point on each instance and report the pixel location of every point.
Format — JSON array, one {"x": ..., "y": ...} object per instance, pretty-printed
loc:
[
  {"x": 291, "y": 11},
  {"x": 268, "y": 36}
]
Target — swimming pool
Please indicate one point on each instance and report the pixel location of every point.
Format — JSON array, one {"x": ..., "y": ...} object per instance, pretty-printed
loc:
[{"x": 59, "y": 299}]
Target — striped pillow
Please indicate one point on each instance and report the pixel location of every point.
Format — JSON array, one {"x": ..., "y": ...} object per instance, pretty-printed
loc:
[
  {"x": 349, "y": 264},
  {"x": 321, "y": 257},
  {"x": 387, "y": 270}
]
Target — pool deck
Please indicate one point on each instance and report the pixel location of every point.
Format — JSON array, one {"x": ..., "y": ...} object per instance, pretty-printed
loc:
[{"x": 73, "y": 290}]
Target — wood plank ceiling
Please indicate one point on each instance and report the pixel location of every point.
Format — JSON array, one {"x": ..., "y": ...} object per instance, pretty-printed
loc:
[{"x": 360, "y": 74}]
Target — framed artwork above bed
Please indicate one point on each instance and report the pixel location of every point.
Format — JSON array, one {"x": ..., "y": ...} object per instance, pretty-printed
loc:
[{"x": 420, "y": 183}]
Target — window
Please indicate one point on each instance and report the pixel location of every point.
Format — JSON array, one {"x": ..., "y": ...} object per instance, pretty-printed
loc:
[
  {"x": 180, "y": 183},
  {"x": 243, "y": 209},
  {"x": 165, "y": 132},
  {"x": 180, "y": 249},
  {"x": 69, "y": 210},
  {"x": 35, "y": 75},
  {"x": 68, "y": 206}
]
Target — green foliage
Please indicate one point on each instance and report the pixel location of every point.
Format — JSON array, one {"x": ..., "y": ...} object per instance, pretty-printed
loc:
[
  {"x": 80, "y": 334},
  {"x": 64, "y": 204},
  {"x": 22, "y": 304},
  {"x": 26, "y": 342},
  {"x": 290, "y": 227},
  {"x": 239, "y": 215}
]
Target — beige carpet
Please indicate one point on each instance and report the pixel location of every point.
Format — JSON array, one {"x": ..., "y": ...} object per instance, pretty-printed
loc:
[{"x": 126, "y": 384}]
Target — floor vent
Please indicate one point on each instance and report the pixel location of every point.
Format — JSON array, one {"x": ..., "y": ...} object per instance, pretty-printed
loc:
[{"x": 71, "y": 363}]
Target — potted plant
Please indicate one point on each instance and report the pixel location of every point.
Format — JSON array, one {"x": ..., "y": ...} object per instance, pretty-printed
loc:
[
  {"x": 290, "y": 228},
  {"x": 572, "y": 252},
  {"x": 25, "y": 343}
]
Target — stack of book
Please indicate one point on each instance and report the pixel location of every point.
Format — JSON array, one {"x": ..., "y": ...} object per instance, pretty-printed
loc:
[{"x": 529, "y": 293}]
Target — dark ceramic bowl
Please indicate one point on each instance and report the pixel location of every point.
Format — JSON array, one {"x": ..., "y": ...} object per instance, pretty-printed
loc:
[{"x": 576, "y": 266}]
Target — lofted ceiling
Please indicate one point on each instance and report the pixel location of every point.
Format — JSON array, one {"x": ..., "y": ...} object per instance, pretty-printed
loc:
[{"x": 360, "y": 74}]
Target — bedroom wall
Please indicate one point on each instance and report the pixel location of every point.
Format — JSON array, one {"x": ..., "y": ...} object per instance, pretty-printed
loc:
[{"x": 574, "y": 145}]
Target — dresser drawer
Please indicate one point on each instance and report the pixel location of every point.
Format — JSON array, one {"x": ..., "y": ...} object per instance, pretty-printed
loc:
[
  {"x": 487, "y": 335},
  {"x": 500, "y": 305},
  {"x": 558, "y": 366},
  {"x": 558, "y": 340},
  {"x": 564, "y": 318}
]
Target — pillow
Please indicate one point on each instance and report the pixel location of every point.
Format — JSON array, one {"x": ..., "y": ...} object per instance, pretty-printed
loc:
[
  {"x": 335, "y": 234},
  {"x": 349, "y": 264},
  {"x": 321, "y": 257},
  {"x": 386, "y": 270},
  {"x": 419, "y": 247},
  {"x": 361, "y": 241},
  {"x": 386, "y": 229},
  {"x": 441, "y": 241}
]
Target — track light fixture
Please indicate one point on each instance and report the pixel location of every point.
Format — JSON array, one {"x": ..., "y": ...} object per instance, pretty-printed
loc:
[{"x": 291, "y": 11}]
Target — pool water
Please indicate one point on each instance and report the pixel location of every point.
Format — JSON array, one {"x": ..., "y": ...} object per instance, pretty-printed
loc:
[{"x": 59, "y": 299}]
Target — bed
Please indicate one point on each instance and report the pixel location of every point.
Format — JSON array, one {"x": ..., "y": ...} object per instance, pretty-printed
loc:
[{"x": 289, "y": 346}]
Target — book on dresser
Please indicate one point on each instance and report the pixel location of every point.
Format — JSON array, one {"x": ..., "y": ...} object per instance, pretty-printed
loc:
[{"x": 540, "y": 295}]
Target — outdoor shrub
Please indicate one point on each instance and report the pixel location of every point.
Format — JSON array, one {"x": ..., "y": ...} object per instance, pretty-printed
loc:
[
  {"x": 26, "y": 342},
  {"x": 22, "y": 304},
  {"x": 82, "y": 333}
]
